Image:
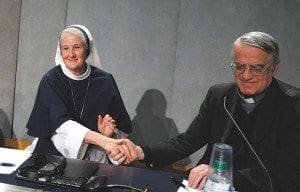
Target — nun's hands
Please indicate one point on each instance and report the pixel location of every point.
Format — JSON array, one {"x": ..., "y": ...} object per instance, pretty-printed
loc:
[{"x": 106, "y": 125}]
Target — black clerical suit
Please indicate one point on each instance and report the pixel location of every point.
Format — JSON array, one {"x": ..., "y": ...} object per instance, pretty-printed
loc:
[
  {"x": 56, "y": 102},
  {"x": 273, "y": 129}
]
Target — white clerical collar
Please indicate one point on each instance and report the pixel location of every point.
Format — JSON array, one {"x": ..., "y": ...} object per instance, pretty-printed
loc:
[
  {"x": 69, "y": 74},
  {"x": 251, "y": 100},
  {"x": 248, "y": 100}
]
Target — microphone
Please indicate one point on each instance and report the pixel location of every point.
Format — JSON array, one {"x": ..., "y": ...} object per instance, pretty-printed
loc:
[{"x": 249, "y": 145}]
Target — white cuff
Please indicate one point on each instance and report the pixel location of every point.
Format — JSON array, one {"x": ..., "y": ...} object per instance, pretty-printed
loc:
[{"x": 69, "y": 138}]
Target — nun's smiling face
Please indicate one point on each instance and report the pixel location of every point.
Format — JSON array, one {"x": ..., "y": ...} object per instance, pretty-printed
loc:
[{"x": 73, "y": 53}]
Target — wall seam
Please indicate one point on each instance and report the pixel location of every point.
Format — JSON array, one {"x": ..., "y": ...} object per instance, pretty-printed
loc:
[
  {"x": 174, "y": 64},
  {"x": 66, "y": 16},
  {"x": 16, "y": 70}
]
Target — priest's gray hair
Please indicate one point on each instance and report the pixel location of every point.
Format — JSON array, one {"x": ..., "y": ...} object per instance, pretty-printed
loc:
[{"x": 262, "y": 41}]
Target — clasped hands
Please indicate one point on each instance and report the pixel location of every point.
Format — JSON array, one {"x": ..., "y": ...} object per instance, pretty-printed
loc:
[
  {"x": 122, "y": 150},
  {"x": 125, "y": 151}
]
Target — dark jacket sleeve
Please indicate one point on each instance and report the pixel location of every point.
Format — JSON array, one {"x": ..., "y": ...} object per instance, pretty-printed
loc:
[{"x": 196, "y": 136}]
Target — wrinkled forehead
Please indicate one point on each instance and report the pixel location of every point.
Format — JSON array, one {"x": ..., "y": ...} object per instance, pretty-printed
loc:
[{"x": 249, "y": 54}]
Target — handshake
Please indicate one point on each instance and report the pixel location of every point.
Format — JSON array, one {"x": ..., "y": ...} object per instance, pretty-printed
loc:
[{"x": 124, "y": 151}]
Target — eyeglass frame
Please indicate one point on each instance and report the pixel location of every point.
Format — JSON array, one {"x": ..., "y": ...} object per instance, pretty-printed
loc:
[{"x": 255, "y": 69}]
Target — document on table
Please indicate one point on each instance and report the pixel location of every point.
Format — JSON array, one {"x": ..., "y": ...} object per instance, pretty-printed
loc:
[
  {"x": 11, "y": 159},
  {"x": 187, "y": 189}
]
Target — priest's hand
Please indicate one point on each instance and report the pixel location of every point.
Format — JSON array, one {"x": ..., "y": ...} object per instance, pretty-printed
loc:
[
  {"x": 106, "y": 125},
  {"x": 198, "y": 176}
]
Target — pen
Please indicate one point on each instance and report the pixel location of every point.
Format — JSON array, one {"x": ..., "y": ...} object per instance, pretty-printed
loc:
[
  {"x": 177, "y": 182},
  {"x": 4, "y": 164}
]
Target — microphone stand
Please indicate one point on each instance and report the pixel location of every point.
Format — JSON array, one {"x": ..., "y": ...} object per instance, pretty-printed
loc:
[{"x": 249, "y": 145}]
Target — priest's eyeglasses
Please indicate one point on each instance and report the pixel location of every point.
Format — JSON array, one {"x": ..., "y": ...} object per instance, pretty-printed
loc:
[{"x": 256, "y": 69}]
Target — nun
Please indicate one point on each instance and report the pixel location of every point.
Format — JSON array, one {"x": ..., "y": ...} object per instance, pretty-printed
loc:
[{"x": 78, "y": 109}]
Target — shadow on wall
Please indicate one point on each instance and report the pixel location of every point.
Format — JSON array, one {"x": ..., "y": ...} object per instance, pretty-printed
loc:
[
  {"x": 150, "y": 125},
  {"x": 5, "y": 127}
]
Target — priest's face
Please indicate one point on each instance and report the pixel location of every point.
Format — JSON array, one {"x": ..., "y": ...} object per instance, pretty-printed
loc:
[
  {"x": 252, "y": 70},
  {"x": 73, "y": 53}
]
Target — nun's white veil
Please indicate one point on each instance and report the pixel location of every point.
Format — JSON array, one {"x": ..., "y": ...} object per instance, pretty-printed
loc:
[{"x": 92, "y": 59}]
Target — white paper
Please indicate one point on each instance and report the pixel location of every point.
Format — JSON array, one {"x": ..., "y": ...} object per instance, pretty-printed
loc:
[
  {"x": 12, "y": 156},
  {"x": 187, "y": 189}
]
